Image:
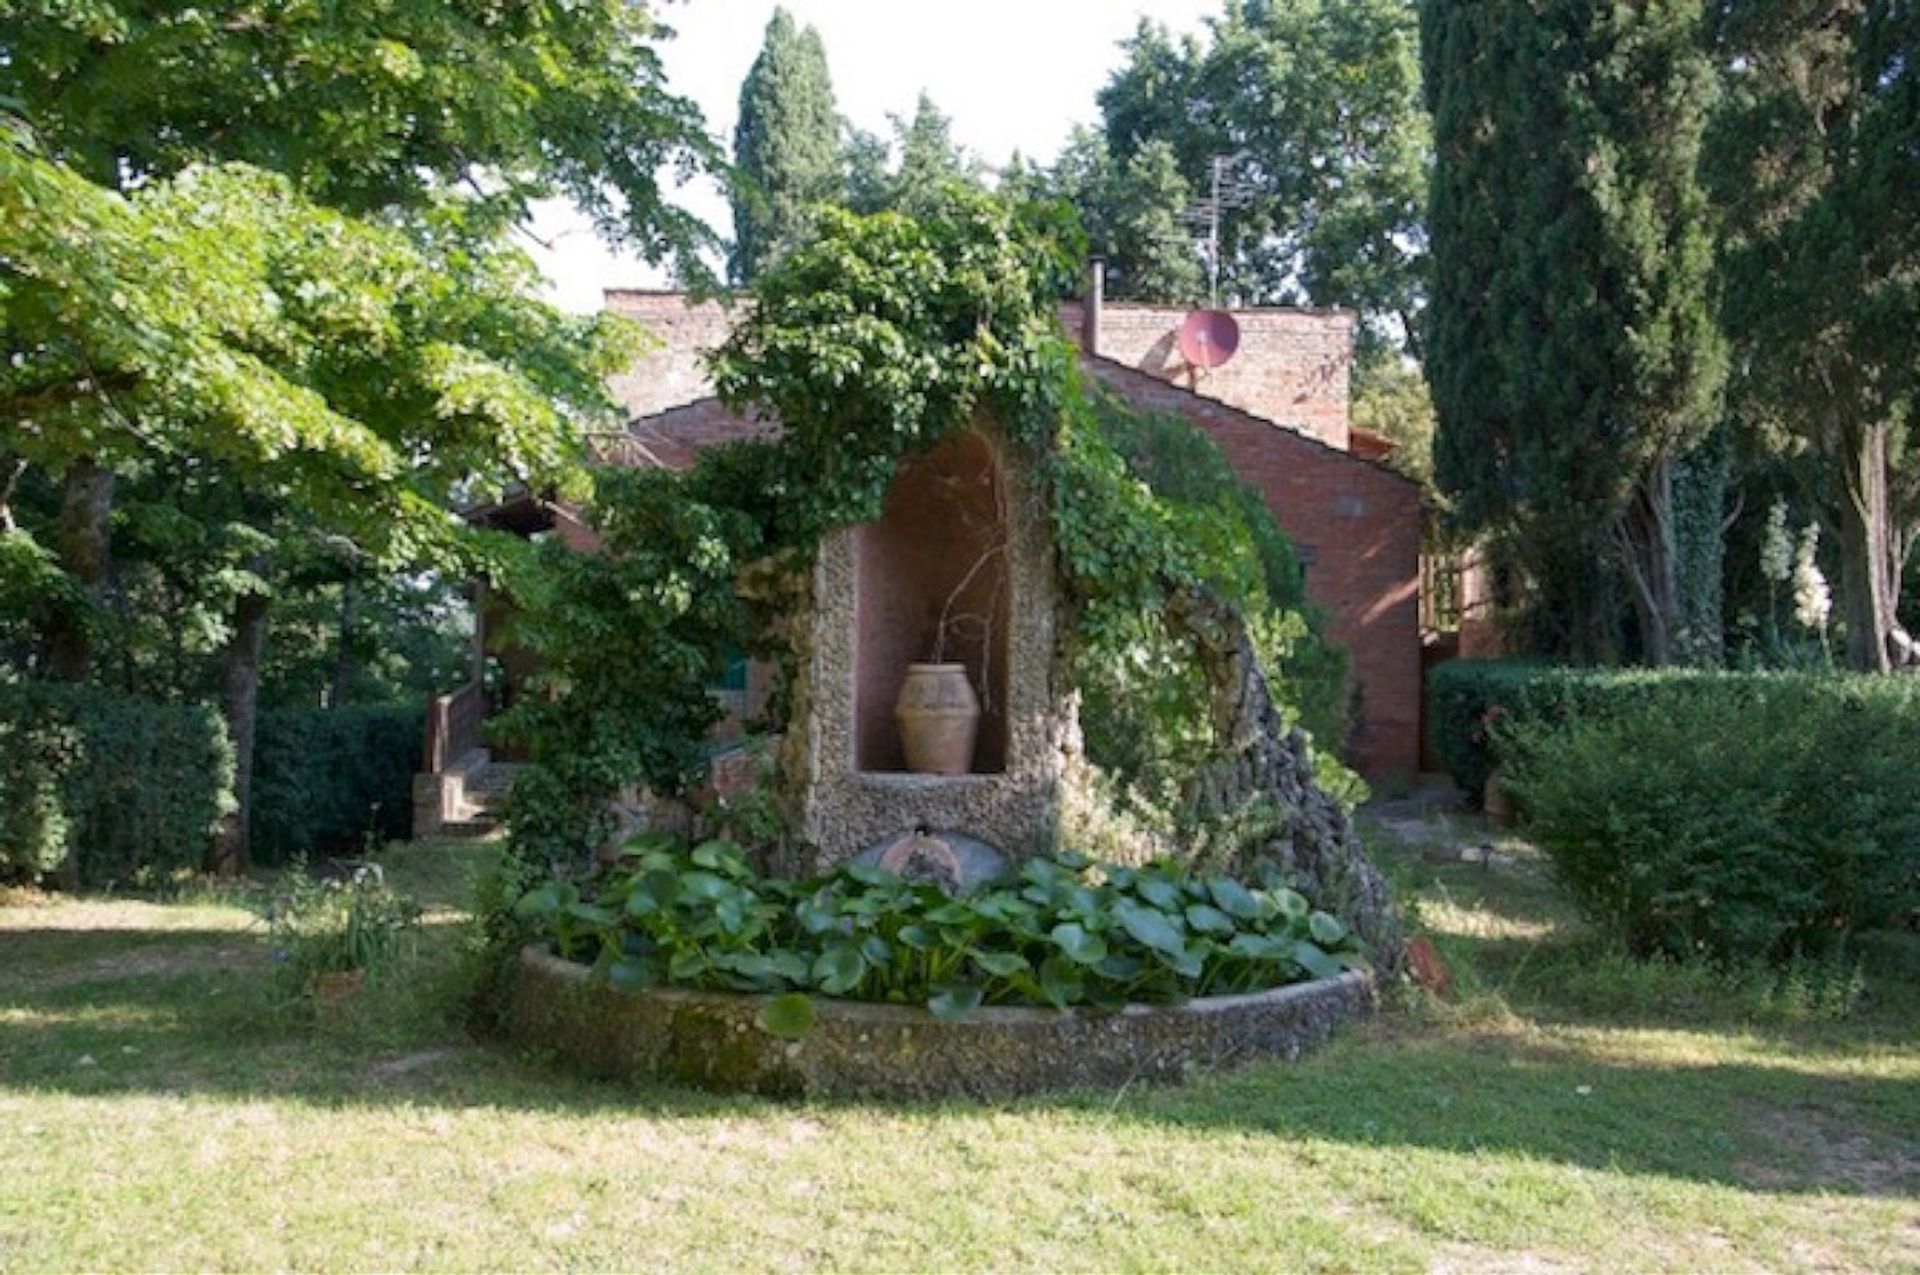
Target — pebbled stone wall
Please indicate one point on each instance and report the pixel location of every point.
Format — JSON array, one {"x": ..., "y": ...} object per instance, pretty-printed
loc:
[{"x": 714, "y": 1039}]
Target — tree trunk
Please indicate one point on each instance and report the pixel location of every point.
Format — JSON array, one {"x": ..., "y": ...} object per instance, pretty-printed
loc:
[
  {"x": 86, "y": 548},
  {"x": 343, "y": 656},
  {"x": 1646, "y": 534},
  {"x": 1700, "y": 484},
  {"x": 241, "y": 698},
  {"x": 1868, "y": 583}
]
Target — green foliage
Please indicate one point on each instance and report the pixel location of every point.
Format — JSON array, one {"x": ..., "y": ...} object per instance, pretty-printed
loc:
[
  {"x": 1132, "y": 210},
  {"x": 1813, "y": 160},
  {"x": 628, "y": 639},
  {"x": 1391, "y": 399},
  {"x": 1319, "y": 104},
  {"x": 330, "y": 779},
  {"x": 100, "y": 789},
  {"x": 368, "y": 108},
  {"x": 876, "y": 339},
  {"x": 907, "y": 173},
  {"x": 1064, "y": 932},
  {"x": 335, "y": 926},
  {"x": 1571, "y": 342},
  {"x": 786, "y": 147},
  {"x": 357, "y": 371},
  {"x": 1145, "y": 706},
  {"x": 1739, "y": 818}
]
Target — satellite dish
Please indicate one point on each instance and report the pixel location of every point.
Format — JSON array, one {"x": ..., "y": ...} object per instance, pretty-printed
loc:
[{"x": 1208, "y": 338}]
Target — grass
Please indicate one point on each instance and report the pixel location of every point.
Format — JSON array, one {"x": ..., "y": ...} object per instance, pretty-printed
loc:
[{"x": 156, "y": 1114}]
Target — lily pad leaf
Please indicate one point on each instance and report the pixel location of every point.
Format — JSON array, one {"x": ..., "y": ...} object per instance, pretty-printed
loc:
[
  {"x": 1000, "y": 964},
  {"x": 1159, "y": 891},
  {"x": 545, "y": 901},
  {"x": 838, "y": 970},
  {"x": 954, "y": 1000},
  {"x": 630, "y": 972},
  {"x": 1233, "y": 898},
  {"x": 1081, "y": 947},
  {"x": 1149, "y": 927},
  {"x": 1315, "y": 961},
  {"x": 917, "y": 937},
  {"x": 1209, "y": 920},
  {"x": 1326, "y": 930}
]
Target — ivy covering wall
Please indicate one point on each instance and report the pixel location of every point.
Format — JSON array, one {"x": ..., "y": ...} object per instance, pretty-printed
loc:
[{"x": 879, "y": 338}]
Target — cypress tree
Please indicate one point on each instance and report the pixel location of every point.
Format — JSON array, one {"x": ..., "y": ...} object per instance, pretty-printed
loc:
[
  {"x": 786, "y": 148},
  {"x": 1571, "y": 340},
  {"x": 1816, "y": 159}
]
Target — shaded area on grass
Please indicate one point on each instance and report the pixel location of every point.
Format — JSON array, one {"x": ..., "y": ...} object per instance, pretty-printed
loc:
[{"x": 181, "y": 1015}]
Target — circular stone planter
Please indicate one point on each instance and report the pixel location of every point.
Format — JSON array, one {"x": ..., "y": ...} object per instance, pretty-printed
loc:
[{"x": 714, "y": 1039}]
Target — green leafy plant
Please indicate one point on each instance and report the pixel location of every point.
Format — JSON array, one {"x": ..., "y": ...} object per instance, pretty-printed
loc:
[
  {"x": 1763, "y": 820},
  {"x": 335, "y": 926},
  {"x": 1061, "y": 932},
  {"x": 877, "y": 339},
  {"x": 326, "y": 779},
  {"x": 98, "y": 788}
]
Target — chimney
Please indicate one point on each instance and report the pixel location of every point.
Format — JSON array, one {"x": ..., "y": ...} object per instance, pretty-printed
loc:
[{"x": 1096, "y": 297}]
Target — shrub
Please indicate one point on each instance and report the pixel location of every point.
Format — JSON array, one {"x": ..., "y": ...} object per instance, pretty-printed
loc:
[
  {"x": 100, "y": 788},
  {"x": 1732, "y": 816},
  {"x": 1471, "y": 702},
  {"x": 316, "y": 927},
  {"x": 327, "y": 779},
  {"x": 1063, "y": 932}
]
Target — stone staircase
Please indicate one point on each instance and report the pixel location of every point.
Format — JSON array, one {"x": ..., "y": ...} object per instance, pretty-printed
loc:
[{"x": 466, "y": 799}]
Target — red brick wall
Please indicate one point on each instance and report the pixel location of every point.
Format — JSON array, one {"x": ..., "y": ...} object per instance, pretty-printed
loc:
[
  {"x": 671, "y": 374},
  {"x": 1357, "y": 525},
  {"x": 1292, "y": 366},
  {"x": 1356, "y": 522}
]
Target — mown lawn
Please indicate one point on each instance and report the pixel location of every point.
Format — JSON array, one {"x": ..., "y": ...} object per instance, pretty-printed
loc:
[{"x": 1561, "y": 1114}]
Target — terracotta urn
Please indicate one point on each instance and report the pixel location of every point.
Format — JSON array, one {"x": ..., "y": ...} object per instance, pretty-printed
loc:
[{"x": 939, "y": 718}]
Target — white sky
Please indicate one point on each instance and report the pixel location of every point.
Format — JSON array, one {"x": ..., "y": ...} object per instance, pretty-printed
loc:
[{"x": 1012, "y": 74}]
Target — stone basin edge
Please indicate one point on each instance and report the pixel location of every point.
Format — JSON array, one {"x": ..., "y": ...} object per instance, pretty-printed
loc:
[{"x": 863, "y": 1049}]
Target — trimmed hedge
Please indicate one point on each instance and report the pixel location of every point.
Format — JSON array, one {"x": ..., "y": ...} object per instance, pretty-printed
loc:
[
  {"x": 323, "y": 779},
  {"x": 1470, "y": 702},
  {"x": 101, "y": 788},
  {"x": 1762, "y": 818},
  {"x": 1733, "y": 815}
]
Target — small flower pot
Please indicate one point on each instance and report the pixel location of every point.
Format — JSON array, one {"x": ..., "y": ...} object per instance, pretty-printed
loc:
[
  {"x": 939, "y": 718},
  {"x": 335, "y": 991}
]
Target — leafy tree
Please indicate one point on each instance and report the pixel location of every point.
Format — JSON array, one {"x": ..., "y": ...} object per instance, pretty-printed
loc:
[
  {"x": 347, "y": 377},
  {"x": 1393, "y": 401},
  {"x": 1317, "y": 106},
  {"x": 786, "y": 148},
  {"x": 928, "y": 160},
  {"x": 369, "y": 107},
  {"x": 323, "y": 373},
  {"x": 1573, "y": 353},
  {"x": 1816, "y": 160},
  {"x": 1132, "y": 212},
  {"x": 364, "y": 115}
]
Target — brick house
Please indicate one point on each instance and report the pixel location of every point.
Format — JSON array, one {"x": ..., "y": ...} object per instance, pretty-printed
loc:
[{"x": 1278, "y": 409}]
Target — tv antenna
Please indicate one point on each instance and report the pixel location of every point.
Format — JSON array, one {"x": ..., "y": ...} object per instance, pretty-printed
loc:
[{"x": 1224, "y": 191}]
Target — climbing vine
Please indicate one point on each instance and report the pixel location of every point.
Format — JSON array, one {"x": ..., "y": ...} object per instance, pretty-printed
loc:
[{"x": 876, "y": 340}]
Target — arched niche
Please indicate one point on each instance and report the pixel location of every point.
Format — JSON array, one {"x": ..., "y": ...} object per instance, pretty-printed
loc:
[{"x": 939, "y": 546}]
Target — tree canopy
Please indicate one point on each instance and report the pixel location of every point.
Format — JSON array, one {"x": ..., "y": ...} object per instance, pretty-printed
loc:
[
  {"x": 786, "y": 148},
  {"x": 1572, "y": 344},
  {"x": 1314, "y": 108}
]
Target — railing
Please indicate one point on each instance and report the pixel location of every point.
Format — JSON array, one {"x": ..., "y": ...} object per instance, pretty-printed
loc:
[
  {"x": 619, "y": 449},
  {"x": 1440, "y": 592},
  {"x": 453, "y": 725}
]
